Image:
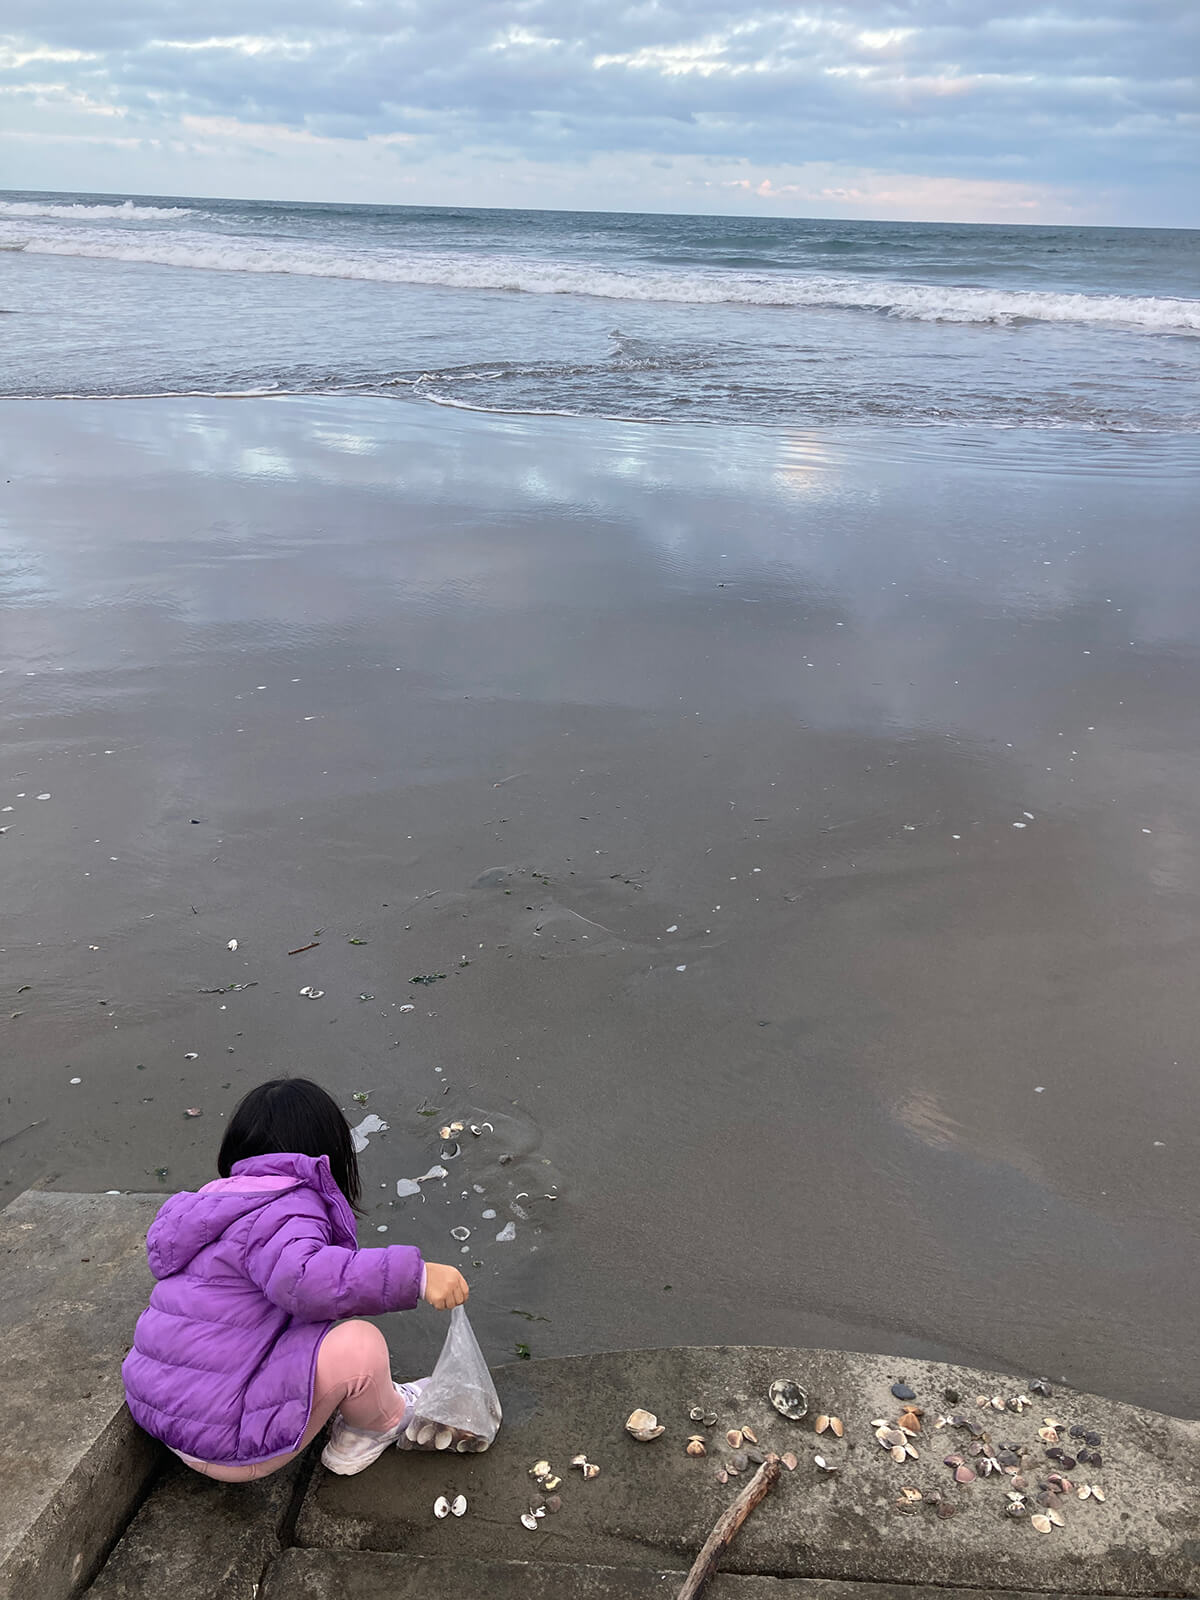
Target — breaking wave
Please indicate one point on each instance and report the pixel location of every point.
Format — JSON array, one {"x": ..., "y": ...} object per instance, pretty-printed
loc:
[
  {"x": 923, "y": 302},
  {"x": 125, "y": 211}
]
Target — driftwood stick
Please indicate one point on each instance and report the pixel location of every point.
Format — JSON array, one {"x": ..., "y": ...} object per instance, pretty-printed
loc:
[{"x": 726, "y": 1526}]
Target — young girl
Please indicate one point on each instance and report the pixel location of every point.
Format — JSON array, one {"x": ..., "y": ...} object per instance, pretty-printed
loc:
[{"x": 243, "y": 1355}]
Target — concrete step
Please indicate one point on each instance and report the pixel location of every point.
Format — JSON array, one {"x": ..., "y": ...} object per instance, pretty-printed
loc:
[
  {"x": 73, "y": 1465},
  {"x": 368, "y": 1575},
  {"x": 196, "y": 1539},
  {"x": 653, "y": 1506}
]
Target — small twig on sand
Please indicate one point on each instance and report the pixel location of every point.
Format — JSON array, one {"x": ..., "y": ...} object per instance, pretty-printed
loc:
[
  {"x": 512, "y": 778},
  {"x": 315, "y": 945},
  {"x": 29, "y": 1129},
  {"x": 726, "y": 1526}
]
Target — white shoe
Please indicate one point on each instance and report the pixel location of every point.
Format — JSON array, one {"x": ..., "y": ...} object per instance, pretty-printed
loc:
[{"x": 352, "y": 1450}]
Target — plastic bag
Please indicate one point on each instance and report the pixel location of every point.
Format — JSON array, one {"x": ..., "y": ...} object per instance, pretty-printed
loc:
[{"x": 459, "y": 1408}]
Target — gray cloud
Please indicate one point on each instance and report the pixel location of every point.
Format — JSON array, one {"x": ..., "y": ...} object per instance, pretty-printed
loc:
[{"x": 1086, "y": 92}]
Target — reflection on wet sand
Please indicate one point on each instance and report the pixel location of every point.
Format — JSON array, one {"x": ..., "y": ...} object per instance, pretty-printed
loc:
[{"x": 798, "y": 818}]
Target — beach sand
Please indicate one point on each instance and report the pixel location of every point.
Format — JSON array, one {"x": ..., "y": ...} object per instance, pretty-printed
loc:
[{"x": 806, "y": 827}]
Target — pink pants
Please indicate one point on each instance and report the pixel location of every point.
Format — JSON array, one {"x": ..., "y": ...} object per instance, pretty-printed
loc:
[{"x": 354, "y": 1376}]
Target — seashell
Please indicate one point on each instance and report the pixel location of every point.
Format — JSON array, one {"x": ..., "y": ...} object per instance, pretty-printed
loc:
[
  {"x": 1041, "y": 1522},
  {"x": 731, "y": 1470},
  {"x": 997, "y": 1402},
  {"x": 426, "y": 1433},
  {"x": 443, "y": 1439},
  {"x": 899, "y": 1453},
  {"x": 1016, "y": 1508},
  {"x": 441, "y": 1507},
  {"x": 911, "y": 1495},
  {"x": 755, "y": 1455},
  {"x": 576, "y": 1461},
  {"x": 981, "y": 1400},
  {"x": 591, "y": 1470},
  {"x": 964, "y": 1474},
  {"x": 952, "y": 1461},
  {"x": 946, "y": 1508},
  {"x": 696, "y": 1414},
  {"x": 825, "y": 1466},
  {"x": 1097, "y": 1492},
  {"x": 788, "y": 1398},
  {"x": 734, "y": 1437},
  {"x": 1048, "y": 1435},
  {"x": 463, "y": 1446},
  {"x": 910, "y": 1450},
  {"x": 747, "y": 1434},
  {"x": 540, "y": 1469},
  {"x": 722, "y": 1475},
  {"x": 551, "y": 1483},
  {"x": 695, "y": 1446},
  {"x": 460, "y": 1234},
  {"x": 789, "y": 1460},
  {"x": 837, "y": 1427},
  {"x": 821, "y": 1423},
  {"x": 738, "y": 1461},
  {"x": 910, "y": 1421},
  {"x": 879, "y": 1422},
  {"x": 891, "y": 1437},
  {"x": 710, "y": 1419},
  {"x": 528, "y": 1520},
  {"x": 458, "y": 1505},
  {"x": 539, "y": 1512},
  {"x": 1092, "y": 1439},
  {"x": 1057, "y": 1518},
  {"x": 554, "y": 1504},
  {"x": 643, "y": 1425}
]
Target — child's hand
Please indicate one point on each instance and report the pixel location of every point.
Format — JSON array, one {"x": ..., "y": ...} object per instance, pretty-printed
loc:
[{"x": 445, "y": 1287}]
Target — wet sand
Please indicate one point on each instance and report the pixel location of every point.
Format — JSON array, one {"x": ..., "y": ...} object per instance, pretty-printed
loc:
[{"x": 806, "y": 827}]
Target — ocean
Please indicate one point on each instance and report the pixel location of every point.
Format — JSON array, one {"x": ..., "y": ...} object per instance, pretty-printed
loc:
[{"x": 647, "y": 318}]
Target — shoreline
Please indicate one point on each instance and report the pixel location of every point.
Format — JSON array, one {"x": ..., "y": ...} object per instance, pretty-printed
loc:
[{"x": 591, "y": 656}]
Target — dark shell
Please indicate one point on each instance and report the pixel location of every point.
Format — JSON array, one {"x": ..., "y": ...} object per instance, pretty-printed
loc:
[
  {"x": 1077, "y": 1432},
  {"x": 1093, "y": 1439},
  {"x": 756, "y": 1456},
  {"x": 1097, "y": 1459},
  {"x": 946, "y": 1508},
  {"x": 1067, "y": 1462},
  {"x": 1009, "y": 1458},
  {"x": 739, "y": 1461},
  {"x": 903, "y": 1392},
  {"x": 1039, "y": 1386}
]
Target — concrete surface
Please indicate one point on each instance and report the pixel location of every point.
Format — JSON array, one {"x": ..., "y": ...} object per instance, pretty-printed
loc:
[
  {"x": 348, "y": 1575},
  {"x": 199, "y": 1540},
  {"x": 652, "y": 1506},
  {"x": 73, "y": 1465}
]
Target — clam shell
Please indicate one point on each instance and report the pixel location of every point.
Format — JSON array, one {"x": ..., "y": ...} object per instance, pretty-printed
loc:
[
  {"x": 696, "y": 1414},
  {"x": 458, "y": 1505},
  {"x": 528, "y": 1520},
  {"x": 695, "y": 1446},
  {"x": 788, "y": 1398},
  {"x": 443, "y": 1439},
  {"x": 1057, "y": 1518},
  {"x": 643, "y": 1425},
  {"x": 821, "y": 1424},
  {"x": 748, "y": 1433},
  {"x": 734, "y": 1438},
  {"x": 964, "y": 1474},
  {"x": 837, "y": 1427},
  {"x": 591, "y": 1470},
  {"x": 789, "y": 1460},
  {"x": 554, "y": 1504},
  {"x": 441, "y": 1507},
  {"x": 1041, "y": 1522},
  {"x": 540, "y": 1469}
]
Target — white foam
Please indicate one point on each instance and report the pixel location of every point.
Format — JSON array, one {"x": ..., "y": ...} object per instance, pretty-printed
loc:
[
  {"x": 923, "y": 302},
  {"x": 126, "y": 211}
]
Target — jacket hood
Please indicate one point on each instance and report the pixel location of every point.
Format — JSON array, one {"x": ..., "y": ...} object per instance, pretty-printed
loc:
[{"x": 193, "y": 1219}]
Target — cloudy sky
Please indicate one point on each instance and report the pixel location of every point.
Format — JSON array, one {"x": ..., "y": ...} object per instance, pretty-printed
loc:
[{"x": 979, "y": 110}]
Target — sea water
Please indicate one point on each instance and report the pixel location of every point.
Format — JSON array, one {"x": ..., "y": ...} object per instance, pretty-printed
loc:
[{"x": 712, "y": 319}]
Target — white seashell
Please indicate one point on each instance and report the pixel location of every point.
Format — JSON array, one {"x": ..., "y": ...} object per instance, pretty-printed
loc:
[
  {"x": 232, "y": 945},
  {"x": 443, "y": 1439},
  {"x": 441, "y": 1507},
  {"x": 643, "y": 1425},
  {"x": 541, "y": 1469},
  {"x": 459, "y": 1505},
  {"x": 528, "y": 1520}
]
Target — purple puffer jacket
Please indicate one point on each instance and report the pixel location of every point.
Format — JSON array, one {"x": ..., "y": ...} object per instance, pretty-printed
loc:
[{"x": 252, "y": 1271}]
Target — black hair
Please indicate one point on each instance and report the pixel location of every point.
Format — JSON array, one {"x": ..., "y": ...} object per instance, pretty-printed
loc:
[{"x": 292, "y": 1114}]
